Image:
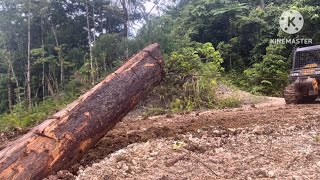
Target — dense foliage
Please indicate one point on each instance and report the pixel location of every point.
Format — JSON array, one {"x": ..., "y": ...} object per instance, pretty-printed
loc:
[
  {"x": 241, "y": 30},
  {"x": 50, "y": 49},
  {"x": 191, "y": 77},
  {"x": 45, "y": 44}
]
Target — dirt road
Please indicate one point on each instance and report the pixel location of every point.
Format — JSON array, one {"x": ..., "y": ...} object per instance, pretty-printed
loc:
[{"x": 267, "y": 141}]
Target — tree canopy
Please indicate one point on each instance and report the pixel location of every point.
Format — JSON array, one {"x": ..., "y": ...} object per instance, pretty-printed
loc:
[{"x": 50, "y": 47}]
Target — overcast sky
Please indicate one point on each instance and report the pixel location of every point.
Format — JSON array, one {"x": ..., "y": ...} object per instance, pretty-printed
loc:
[{"x": 136, "y": 27}]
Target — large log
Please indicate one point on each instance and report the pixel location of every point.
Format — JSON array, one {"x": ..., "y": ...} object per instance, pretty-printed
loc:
[{"x": 64, "y": 138}]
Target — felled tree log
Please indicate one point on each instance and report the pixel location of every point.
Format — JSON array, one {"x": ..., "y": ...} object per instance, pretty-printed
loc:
[{"x": 64, "y": 138}]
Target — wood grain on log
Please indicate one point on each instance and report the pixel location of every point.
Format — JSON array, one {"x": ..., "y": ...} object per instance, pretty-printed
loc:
[{"x": 60, "y": 141}]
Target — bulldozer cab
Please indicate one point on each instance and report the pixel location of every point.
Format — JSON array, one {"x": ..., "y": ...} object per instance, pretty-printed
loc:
[
  {"x": 305, "y": 76},
  {"x": 306, "y": 57}
]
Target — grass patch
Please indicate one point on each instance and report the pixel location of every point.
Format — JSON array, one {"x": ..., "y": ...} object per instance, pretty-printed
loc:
[
  {"x": 24, "y": 118},
  {"x": 230, "y": 102}
]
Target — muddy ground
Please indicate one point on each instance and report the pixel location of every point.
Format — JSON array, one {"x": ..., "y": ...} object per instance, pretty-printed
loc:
[{"x": 269, "y": 140}]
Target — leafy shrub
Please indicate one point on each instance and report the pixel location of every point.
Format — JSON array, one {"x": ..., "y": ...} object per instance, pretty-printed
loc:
[
  {"x": 269, "y": 76},
  {"x": 191, "y": 79},
  {"x": 176, "y": 105}
]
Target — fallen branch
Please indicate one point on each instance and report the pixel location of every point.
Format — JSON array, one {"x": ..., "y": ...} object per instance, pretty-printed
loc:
[
  {"x": 199, "y": 161},
  {"x": 172, "y": 162}
]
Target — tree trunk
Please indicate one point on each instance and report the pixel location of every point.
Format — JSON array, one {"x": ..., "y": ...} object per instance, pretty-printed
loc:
[
  {"x": 64, "y": 138},
  {"x": 29, "y": 63},
  {"x": 43, "y": 82},
  {"x": 97, "y": 74},
  {"x": 42, "y": 55},
  {"x": 125, "y": 18},
  {"x": 50, "y": 88},
  {"x": 104, "y": 62},
  {"x": 126, "y": 24},
  {"x": 263, "y": 5},
  {"x": 90, "y": 45},
  {"x": 18, "y": 95},
  {"x": 61, "y": 61},
  {"x": 10, "y": 104}
]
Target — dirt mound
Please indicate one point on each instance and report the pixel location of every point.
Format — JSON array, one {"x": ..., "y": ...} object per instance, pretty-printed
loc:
[{"x": 247, "y": 99}]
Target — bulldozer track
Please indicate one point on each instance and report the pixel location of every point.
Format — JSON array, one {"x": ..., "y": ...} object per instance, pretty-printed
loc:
[{"x": 291, "y": 96}]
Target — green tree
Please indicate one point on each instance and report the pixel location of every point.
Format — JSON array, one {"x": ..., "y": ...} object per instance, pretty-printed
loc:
[{"x": 269, "y": 76}]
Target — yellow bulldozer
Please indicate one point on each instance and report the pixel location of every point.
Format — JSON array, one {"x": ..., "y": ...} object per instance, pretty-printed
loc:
[{"x": 304, "y": 77}]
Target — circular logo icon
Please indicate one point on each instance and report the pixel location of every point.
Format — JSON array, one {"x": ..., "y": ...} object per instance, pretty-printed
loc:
[{"x": 291, "y": 21}]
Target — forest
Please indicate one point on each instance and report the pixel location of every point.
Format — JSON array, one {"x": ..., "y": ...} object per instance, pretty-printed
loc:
[{"x": 52, "y": 51}]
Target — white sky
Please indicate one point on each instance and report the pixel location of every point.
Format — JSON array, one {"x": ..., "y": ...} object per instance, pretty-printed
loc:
[{"x": 148, "y": 6}]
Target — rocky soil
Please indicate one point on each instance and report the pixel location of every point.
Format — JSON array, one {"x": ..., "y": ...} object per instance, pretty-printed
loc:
[{"x": 268, "y": 140}]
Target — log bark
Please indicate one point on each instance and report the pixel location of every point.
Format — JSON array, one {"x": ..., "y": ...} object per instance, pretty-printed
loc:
[{"x": 64, "y": 138}]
